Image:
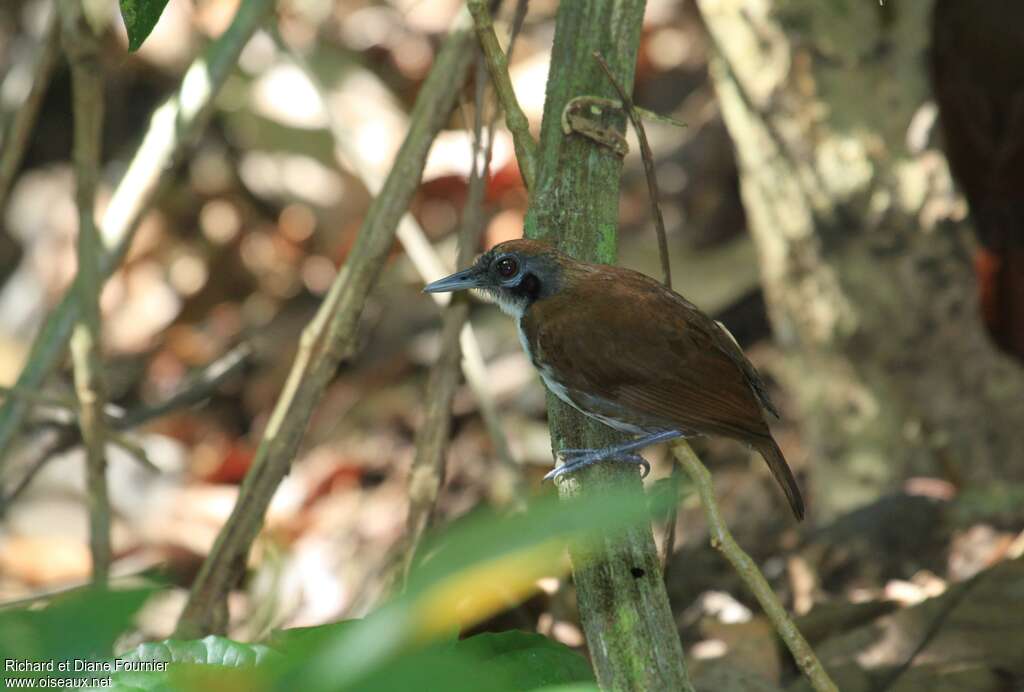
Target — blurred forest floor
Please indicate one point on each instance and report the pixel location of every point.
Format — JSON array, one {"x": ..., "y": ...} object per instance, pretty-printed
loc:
[{"x": 247, "y": 238}]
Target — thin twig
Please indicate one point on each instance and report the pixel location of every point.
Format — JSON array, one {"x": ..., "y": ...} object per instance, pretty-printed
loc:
[
  {"x": 174, "y": 126},
  {"x": 198, "y": 387},
  {"x": 426, "y": 476},
  {"x": 668, "y": 538},
  {"x": 329, "y": 337},
  {"x": 40, "y": 398},
  {"x": 427, "y": 473},
  {"x": 430, "y": 268},
  {"x": 668, "y": 542},
  {"x": 82, "y": 47},
  {"x": 67, "y": 437},
  {"x": 134, "y": 449},
  {"x": 507, "y": 486},
  {"x": 16, "y": 139},
  {"x": 518, "y": 20},
  {"x": 580, "y": 103},
  {"x": 56, "y": 401},
  {"x": 648, "y": 158},
  {"x": 723, "y": 542},
  {"x": 497, "y": 63},
  {"x": 25, "y": 481}
]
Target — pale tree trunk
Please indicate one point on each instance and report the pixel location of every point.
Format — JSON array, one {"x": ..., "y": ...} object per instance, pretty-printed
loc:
[{"x": 864, "y": 251}]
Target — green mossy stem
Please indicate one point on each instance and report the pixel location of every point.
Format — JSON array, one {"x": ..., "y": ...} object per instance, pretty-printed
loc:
[{"x": 627, "y": 619}]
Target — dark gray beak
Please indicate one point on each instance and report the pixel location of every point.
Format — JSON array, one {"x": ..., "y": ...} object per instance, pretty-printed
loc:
[{"x": 467, "y": 278}]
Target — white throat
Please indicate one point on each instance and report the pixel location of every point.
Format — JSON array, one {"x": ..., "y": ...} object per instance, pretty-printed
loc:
[{"x": 509, "y": 305}]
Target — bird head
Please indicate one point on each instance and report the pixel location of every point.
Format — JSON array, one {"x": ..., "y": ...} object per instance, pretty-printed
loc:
[{"x": 515, "y": 273}]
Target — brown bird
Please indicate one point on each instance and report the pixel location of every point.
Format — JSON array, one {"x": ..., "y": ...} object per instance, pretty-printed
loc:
[{"x": 625, "y": 350}]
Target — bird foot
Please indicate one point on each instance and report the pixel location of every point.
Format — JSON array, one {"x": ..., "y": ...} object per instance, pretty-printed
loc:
[{"x": 575, "y": 459}]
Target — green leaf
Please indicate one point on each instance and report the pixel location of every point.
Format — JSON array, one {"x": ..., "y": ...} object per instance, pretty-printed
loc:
[
  {"x": 300, "y": 639},
  {"x": 210, "y": 650},
  {"x": 140, "y": 16},
  {"x": 477, "y": 566},
  {"x": 189, "y": 664},
  {"x": 184, "y": 676},
  {"x": 528, "y": 659},
  {"x": 480, "y": 565},
  {"x": 499, "y": 662},
  {"x": 80, "y": 625},
  {"x": 505, "y": 662}
]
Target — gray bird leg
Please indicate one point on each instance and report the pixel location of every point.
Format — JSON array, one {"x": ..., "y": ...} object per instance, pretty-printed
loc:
[{"x": 575, "y": 459}]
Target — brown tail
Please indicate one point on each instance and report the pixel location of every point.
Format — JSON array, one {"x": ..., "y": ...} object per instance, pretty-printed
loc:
[{"x": 780, "y": 469}]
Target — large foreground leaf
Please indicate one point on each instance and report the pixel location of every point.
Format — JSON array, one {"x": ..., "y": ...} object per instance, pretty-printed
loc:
[
  {"x": 176, "y": 664},
  {"x": 81, "y": 624}
]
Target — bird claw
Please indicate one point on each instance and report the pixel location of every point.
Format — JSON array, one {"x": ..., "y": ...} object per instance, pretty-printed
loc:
[{"x": 575, "y": 459}]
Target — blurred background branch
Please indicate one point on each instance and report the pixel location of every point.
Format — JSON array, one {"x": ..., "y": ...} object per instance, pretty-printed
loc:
[
  {"x": 197, "y": 388},
  {"x": 82, "y": 46},
  {"x": 507, "y": 479},
  {"x": 427, "y": 474},
  {"x": 19, "y": 130},
  {"x": 724, "y": 543},
  {"x": 426, "y": 477},
  {"x": 328, "y": 338},
  {"x": 891, "y": 296},
  {"x": 173, "y": 127},
  {"x": 497, "y": 65}
]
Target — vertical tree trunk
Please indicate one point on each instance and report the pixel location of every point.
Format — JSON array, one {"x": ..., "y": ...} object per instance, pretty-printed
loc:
[
  {"x": 574, "y": 204},
  {"x": 863, "y": 250}
]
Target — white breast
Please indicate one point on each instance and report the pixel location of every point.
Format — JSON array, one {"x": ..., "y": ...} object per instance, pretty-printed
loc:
[
  {"x": 545, "y": 374},
  {"x": 557, "y": 389},
  {"x": 522, "y": 339}
]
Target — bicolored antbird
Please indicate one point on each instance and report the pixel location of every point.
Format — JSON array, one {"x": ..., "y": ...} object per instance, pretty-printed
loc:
[{"x": 625, "y": 350}]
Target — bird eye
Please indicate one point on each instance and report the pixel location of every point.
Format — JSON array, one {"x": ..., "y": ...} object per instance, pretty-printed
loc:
[{"x": 507, "y": 267}]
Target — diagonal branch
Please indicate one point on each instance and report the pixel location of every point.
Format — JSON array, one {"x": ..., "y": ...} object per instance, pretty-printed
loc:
[
  {"x": 647, "y": 156},
  {"x": 428, "y": 470},
  {"x": 421, "y": 253},
  {"x": 174, "y": 126},
  {"x": 497, "y": 64},
  {"x": 196, "y": 388},
  {"x": 723, "y": 542},
  {"x": 427, "y": 474},
  {"x": 325, "y": 341},
  {"x": 199, "y": 386},
  {"x": 15, "y": 140}
]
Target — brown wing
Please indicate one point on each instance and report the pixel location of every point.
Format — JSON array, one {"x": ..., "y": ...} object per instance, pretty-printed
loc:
[
  {"x": 634, "y": 344},
  {"x": 667, "y": 360}
]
